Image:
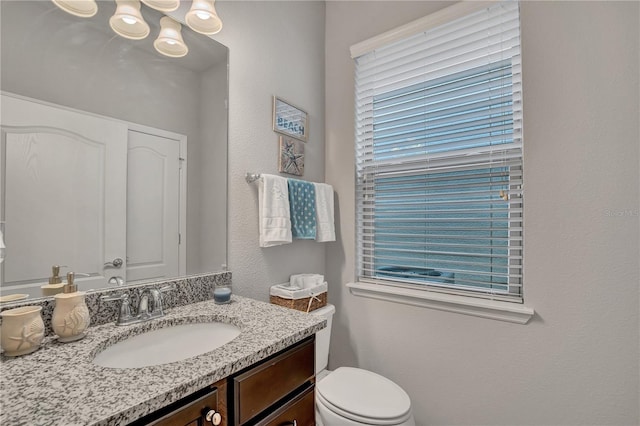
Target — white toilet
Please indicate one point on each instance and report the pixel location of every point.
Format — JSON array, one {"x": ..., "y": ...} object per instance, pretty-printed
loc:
[{"x": 353, "y": 396}]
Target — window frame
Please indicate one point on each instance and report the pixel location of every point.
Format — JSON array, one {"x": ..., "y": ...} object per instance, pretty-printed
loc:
[{"x": 444, "y": 298}]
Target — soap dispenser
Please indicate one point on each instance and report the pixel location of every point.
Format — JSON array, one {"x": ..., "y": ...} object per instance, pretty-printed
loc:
[
  {"x": 55, "y": 285},
  {"x": 70, "y": 315}
]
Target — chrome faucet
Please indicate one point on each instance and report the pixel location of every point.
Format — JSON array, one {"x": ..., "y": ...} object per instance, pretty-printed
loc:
[
  {"x": 149, "y": 305},
  {"x": 151, "y": 310},
  {"x": 125, "y": 316}
]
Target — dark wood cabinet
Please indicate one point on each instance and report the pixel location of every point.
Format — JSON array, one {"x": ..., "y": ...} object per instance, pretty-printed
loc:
[
  {"x": 300, "y": 411},
  {"x": 206, "y": 407},
  {"x": 276, "y": 391},
  {"x": 274, "y": 386}
]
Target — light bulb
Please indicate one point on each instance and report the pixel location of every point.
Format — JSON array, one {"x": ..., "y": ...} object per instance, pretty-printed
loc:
[
  {"x": 169, "y": 41},
  {"x": 202, "y": 17},
  {"x": 128, "y": 22}
]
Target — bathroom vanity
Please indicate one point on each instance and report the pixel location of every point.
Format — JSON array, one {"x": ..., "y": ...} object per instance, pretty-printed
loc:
[
  {"x": 264, "y": 376},
  {"x": 275, "y": 391}
]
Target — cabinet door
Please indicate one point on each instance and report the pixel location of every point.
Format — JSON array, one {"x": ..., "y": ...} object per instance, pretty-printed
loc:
[
  {"x": 195, "y": 413},
  {"x": 268, "y": 383},
  {"x": 192, "y": 414},
  {"x": 300, "y": 411}
]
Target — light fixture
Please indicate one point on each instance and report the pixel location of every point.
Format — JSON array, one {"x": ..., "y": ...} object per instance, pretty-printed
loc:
[
  {"x": 162, "y": 5},
  {"x": 169, "y": 41},
  {"x": 128, "y": 21},
  {"x": 81, "y": 8},
  {"x": 202, "y": 17}
]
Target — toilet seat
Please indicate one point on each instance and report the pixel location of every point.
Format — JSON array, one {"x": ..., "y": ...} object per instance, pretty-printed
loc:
[{"x": 364, "y": 397}]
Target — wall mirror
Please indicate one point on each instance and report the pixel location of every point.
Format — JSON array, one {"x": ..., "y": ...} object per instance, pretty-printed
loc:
[{"x": 113, "y": 157}]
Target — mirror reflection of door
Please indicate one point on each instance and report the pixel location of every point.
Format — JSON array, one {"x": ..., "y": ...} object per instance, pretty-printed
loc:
[
  {"x": 153, "y": 213},
  {"x": 63, "y": 193},
  {"x": 82, "y": 190}
]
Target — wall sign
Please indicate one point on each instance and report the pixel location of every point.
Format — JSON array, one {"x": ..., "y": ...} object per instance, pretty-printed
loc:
[{"x": 290, "y": 120}]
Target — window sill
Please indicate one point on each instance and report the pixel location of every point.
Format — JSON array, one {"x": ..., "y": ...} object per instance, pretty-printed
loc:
[{"x": 484, "y": 308}]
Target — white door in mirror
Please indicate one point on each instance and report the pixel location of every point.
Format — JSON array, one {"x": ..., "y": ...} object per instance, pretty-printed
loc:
[
  {"x": 153, "y": 207},
  {"x": 64, "y": 187}
]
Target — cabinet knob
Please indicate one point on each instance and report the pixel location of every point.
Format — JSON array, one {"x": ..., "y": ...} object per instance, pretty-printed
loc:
[{"x": 213, "y": 417}]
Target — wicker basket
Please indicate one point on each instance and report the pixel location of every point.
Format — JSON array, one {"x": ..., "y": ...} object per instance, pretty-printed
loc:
[{"x": 318, "y": 301}]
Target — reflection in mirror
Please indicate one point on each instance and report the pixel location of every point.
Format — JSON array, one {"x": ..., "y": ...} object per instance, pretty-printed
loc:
[{"x": 113, "y": 157}]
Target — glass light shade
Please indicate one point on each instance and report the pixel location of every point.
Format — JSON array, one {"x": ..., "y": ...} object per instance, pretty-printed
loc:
[
  {"x": 162, "y": 5},
  {"x": 128, "y": 21},
  {"x": 81, "y": 8},
  {"x": 169, "y": 41},
  {"x": 202, "y": 17}
]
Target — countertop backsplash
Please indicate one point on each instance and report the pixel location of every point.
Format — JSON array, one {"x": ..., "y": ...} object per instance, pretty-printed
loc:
[{"x": 187, "y": 290}]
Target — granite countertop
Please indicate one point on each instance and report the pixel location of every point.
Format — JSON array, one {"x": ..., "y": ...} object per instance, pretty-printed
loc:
[{"x": 59, "y": 384}]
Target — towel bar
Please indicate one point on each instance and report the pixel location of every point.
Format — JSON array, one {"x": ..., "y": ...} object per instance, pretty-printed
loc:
[{"x": 252, "y": 177}]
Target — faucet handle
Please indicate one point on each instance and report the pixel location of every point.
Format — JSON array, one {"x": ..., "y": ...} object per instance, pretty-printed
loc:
[
  {"x": 112, "y": 297},
  {"x": 124, "y": 313},
  {"x": 156, "y": 295}
]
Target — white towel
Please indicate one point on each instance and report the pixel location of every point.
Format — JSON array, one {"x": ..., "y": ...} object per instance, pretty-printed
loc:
[
  {"x": 273, "y": 204},
  {"x": 325, "y": 228}
]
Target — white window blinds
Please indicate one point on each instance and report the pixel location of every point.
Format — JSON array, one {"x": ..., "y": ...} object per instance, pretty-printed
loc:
[{"x": 439, "y": 157}]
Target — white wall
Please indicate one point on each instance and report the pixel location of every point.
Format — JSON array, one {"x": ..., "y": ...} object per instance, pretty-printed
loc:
[
  {"x": 577, "y": 361},
  {"x": 276, "y": 48}
]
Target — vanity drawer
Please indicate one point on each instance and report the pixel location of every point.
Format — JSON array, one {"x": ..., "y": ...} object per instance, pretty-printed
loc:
[
  {"x": 300, "y": 411},
  {"x": 191, "y": 414},
  {"x": 260, "y": 387},
  {"x": 192, "y": 410}
]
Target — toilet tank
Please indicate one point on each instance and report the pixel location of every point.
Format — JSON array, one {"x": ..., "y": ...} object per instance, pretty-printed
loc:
[{"x": 323, "y": 337}]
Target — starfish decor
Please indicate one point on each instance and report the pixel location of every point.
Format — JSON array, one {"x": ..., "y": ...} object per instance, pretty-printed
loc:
[{"x": 291, "y": 156}]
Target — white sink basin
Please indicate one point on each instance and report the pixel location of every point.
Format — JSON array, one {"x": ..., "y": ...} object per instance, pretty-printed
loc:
[{"x": 167, "y": 345}]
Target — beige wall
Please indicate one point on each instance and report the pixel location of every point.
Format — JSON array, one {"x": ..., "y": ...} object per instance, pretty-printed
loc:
[
  {"x": 276, "y": 48},
  {"x": 577, "y": 361}
]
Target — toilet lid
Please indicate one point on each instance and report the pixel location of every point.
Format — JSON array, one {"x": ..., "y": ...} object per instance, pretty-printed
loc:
[{"x": 364, "y": 396}]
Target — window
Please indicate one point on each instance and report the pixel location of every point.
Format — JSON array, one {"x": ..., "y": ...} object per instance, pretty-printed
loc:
[{"x": 439, "y": 157}]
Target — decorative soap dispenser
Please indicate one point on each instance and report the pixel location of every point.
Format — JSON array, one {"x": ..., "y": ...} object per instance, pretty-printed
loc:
[
  {"x": 70, "y": 315},
  {"x": 55, "y": 285}
]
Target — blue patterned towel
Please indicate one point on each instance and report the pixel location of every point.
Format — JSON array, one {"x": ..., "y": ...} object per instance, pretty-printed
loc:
[{"x": 302, "y": 202}]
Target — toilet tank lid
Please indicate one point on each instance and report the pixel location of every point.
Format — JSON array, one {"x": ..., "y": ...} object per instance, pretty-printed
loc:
[{"x": 364, "y": 394}]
